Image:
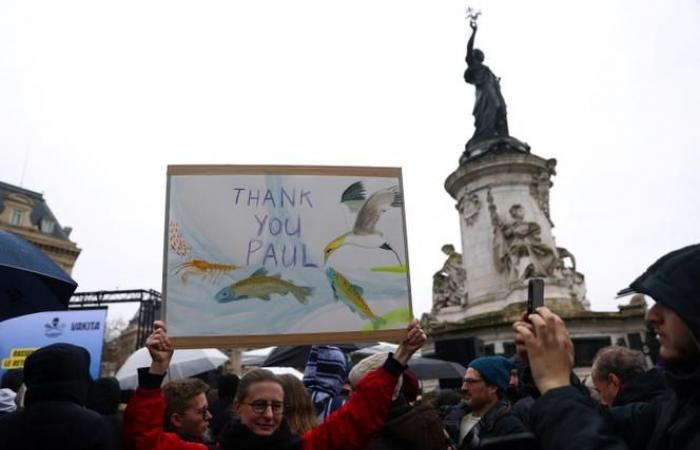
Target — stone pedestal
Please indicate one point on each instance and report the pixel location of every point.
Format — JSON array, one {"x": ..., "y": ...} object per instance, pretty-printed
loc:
[{"x": 503, "y": 204}]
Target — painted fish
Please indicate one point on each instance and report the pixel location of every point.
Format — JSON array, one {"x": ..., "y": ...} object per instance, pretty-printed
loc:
[
  {"x": 351, "y": 295},
  {"x": 261, "y": 285}
]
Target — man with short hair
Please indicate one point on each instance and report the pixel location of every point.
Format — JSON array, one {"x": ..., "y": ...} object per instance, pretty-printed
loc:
[
  {"x": 563, "y": 418},
  {"x": 485, "y": 412},
  {"x": 619, "y": 377},
  {"x": 186, "y": 408}
]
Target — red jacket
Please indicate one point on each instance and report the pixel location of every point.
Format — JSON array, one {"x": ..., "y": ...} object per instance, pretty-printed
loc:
[{"x": 349, "y": 428}]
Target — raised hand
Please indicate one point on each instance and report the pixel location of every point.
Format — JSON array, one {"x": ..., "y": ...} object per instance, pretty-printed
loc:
[
  {"x": 160, "y": 348},
  {"x": 549, "y": 349},
  {"x": 415, "y": 338}
]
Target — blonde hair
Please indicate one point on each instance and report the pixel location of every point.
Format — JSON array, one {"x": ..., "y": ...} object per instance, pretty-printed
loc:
[{"x": 299, "y": 411}]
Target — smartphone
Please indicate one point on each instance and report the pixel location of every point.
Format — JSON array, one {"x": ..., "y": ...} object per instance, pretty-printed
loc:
[{"x": 535, "y": 294}]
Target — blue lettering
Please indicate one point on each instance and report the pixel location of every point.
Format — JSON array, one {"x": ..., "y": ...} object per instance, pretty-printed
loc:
[
  {"x": 305, "y": 263},
  {"x": 305, "y": 195},
  {"x": 268, "y": 196},
  {"x": 274, "y": 221},
  {"x": 238, "y": 193},
  {"x": 270, "y": 253},
  {"x": 293, "y": 260},
  {"x": 255, "y": 197},
  {"x": 261, "y": 223},
  {"x": 258, "y": 245},
  {"x": 296, "y": 232},
  {"x": 284, "y": 195}
]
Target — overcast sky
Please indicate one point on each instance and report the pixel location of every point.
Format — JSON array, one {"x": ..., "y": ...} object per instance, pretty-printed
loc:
[{"x": 98, "y": 97}]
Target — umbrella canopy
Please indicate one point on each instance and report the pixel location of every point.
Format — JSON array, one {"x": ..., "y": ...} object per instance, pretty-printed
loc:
[
  {"x": 286, "y": 371},
  {"x": 298, "y": 355},
  {"x": 185, "y": 363},
  {"x": 29, "y": 280},
  {"x": 255, "y": 357},
  {"x": 430, "y": 369},
  {"x": 381, "y": 347}
]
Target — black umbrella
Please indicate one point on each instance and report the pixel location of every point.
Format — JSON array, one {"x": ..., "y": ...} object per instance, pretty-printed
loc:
[
  {"x": 298, "y": 355},
  {"x": 430, "y": 369},
  {"x": 29, "y": 280}
]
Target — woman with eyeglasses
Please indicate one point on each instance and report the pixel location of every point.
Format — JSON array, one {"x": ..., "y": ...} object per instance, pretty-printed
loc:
[{"x": 260, "y": 407}]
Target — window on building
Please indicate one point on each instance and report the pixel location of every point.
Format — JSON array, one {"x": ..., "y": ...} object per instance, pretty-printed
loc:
[
  {"x": 509, "y": 349},
  {"x": 586, "y": 348},
  {"x": 16, "y": 217},
  {"x": 47, "y": 226}
]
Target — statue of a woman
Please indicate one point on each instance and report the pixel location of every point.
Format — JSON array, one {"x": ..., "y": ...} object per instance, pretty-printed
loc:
[{"x": 489, "y": 107}]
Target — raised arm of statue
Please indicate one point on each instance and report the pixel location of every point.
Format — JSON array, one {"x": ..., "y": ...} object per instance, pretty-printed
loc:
[{"x": 470, "y": 45}]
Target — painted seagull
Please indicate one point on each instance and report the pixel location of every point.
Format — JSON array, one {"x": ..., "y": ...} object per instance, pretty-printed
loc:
[{"x": 364, "y": 233}]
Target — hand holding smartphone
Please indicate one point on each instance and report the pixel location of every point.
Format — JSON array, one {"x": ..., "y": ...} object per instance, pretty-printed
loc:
[{"x": 535, "y": 295}]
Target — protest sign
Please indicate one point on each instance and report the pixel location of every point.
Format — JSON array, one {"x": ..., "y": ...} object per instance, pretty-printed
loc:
[{"x": 261, "y": 255}]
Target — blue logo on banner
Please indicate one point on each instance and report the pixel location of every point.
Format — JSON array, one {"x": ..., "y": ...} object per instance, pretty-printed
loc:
[{"x": 54, "y": 328}]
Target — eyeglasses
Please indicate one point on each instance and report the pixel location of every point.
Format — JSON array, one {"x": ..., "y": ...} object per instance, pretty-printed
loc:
[
  {"x": 259, "y": 407},
  {"x": 470, "y": 381}
]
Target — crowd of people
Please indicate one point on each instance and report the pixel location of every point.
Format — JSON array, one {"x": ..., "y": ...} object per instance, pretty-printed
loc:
[{"x": 530, "y": 401}]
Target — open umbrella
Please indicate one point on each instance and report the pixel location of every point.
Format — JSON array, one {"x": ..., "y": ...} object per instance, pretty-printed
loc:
[
  {"x": 185, "y": 363},
  {"x": 29, "y": 280},
  {"x": 255, "y": 357},
  {"x": 430, "y": 369},
  {"x": 286, "y": 371},
  {"x": 297, "y": 356}
]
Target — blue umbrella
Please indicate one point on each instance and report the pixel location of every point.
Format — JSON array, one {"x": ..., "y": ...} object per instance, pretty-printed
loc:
[{"x": 29, "y": 280}]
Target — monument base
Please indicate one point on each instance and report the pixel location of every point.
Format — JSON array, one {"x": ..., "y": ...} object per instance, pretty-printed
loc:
[{"x": 497, "y": 145}]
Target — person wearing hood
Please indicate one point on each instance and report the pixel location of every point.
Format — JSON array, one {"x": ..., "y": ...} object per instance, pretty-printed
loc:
[
  {"x": 564, "y": 418},
  {"x": 324, "y": 375},
  {"x": 260, "y": 405},
  {"x": 57, "y": 378},
  {"x": 407, "y": 427}
]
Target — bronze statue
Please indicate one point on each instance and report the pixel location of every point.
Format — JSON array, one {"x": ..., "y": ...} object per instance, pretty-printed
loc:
[
  {"x": 489, "y": 107},
  {"x": 490, "y": 118}
]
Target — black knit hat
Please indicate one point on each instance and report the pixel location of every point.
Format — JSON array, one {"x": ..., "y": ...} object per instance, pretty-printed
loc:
[
  {"x": 57, "y": 372},
  {"x": 674, "y": 281}
]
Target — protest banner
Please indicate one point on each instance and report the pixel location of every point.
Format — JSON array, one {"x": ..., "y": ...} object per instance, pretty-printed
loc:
[
  {"x": 274, "y": 255},
  {"x": 21, "y": 335}
]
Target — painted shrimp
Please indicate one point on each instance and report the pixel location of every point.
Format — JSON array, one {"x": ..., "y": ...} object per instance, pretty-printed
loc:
[{"x": 205, "y": 269}]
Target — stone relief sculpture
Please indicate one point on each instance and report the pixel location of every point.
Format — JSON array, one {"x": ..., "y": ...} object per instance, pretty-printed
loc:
[
  {"x": 518, "y": 248},
  {"x": 539, "y": 187},
  {"x": 449, "y": 282},
  {"x": 469, "y": 207}
]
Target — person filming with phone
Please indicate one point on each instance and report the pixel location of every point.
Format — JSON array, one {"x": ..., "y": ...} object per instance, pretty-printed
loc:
[{"x": 563, "y": 417}]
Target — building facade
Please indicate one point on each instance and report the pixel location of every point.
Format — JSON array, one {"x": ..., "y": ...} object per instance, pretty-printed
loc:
[{"x": 26, "y": 214}]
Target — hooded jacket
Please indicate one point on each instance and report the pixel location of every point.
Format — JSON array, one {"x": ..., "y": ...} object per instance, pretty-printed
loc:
[
  {"x": 57, "y": 379},
  {"x": 565, "y": 419}
]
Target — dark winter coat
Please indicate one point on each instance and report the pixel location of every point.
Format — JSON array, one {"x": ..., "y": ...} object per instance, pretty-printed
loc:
[
  {"x": 57, "y": 379},
  {"x": 565, "y": 419},
  {"x": 410, "y": 428},
  {"x": 643, "y": 388},
  {"x": 497, "y": 422}
]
